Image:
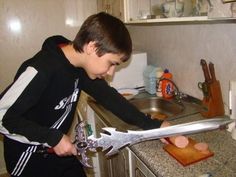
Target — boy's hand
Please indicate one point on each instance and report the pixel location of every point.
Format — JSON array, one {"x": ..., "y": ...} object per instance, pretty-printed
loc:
[
  {"x": 65, "y": 147},
  {"x": 164, "y": 124}
]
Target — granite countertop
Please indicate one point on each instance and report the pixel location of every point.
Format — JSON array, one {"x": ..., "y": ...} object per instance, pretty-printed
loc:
[{"x": 222, "y": 164}]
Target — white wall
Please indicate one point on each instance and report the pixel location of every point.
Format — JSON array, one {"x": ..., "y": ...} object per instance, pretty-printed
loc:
[
  {"x": 39, "y": 19},
  {"x": 180, "y": 48}
]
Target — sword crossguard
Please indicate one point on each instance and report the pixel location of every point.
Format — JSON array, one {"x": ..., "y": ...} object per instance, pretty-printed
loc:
[{"x": 82, "y": 143}]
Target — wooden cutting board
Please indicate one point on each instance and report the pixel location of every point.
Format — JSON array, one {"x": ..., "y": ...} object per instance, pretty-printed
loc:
[{"x": 188, "y": 155}]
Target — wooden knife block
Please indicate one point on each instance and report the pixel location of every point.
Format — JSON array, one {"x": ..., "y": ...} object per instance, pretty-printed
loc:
[{"x": 214, "y": 102}]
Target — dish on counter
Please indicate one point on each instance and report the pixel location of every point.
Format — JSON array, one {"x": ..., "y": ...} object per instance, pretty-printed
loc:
[{"x": 128, "y": 93}]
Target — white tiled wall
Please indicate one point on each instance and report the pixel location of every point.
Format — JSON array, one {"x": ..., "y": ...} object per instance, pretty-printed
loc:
[{"x": 25, "y": 24}]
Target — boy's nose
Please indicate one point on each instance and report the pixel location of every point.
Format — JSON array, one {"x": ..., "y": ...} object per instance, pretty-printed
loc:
[{"x": 111, "y": 70}]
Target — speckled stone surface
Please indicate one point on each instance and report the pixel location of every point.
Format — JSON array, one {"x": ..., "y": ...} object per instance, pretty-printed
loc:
[{"x": 222, "y": 164}]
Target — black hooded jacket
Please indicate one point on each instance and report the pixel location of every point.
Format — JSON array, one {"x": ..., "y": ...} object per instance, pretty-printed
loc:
[{"x": 39, "y": 106}]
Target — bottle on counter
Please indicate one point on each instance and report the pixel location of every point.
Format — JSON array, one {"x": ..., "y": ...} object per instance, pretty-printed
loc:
[
  {"x": 149, "y": 76},
  {"x": 159, "y": 74},
  {"x": 167, "y": 86}
]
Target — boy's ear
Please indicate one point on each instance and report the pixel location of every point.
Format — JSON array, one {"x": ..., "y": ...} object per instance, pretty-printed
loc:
[{"x": 90, "y": 47}]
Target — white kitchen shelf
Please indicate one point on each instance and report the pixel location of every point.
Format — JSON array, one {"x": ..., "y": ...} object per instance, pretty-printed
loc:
[{"x": 181, "y": 19}]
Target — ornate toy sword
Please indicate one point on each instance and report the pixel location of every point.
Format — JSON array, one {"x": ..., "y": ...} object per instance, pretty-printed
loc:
[{"x": 115, "y": 140}]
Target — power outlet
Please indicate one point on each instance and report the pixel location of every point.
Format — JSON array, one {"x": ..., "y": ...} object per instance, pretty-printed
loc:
[
  {"x": 232, "y": 104},
  {"x": 232, "y": 99}
]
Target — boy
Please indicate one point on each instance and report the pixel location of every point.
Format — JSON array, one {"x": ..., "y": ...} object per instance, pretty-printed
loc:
[{"x": 37, "y": 109}]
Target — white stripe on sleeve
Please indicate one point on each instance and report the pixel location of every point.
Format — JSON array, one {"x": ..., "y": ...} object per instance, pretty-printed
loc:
[{"x": 10, "y": 98}]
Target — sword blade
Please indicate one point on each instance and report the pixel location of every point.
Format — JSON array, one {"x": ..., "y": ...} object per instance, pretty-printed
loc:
[
  {"x": 185, "y": 128},
  {"x": 116, "y": 140}
]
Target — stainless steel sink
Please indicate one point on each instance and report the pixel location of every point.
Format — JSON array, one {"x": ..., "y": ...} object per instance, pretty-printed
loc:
[
  {"x": 158, "y": 107},
  {"x": 171, "y": 109}
]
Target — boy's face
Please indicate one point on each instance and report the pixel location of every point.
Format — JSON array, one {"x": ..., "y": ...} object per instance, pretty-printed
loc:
[{"x": 100, "y": 67}]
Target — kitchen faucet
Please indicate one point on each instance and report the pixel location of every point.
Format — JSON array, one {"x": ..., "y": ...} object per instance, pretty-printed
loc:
[{"x": 180, "y": 97}]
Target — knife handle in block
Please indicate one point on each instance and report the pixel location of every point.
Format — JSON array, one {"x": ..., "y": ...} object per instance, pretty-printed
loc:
[{"x": 205, "y": 71}]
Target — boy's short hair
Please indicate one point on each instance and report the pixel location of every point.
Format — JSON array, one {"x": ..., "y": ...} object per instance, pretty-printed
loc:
[{"x": 109, "y": 33}]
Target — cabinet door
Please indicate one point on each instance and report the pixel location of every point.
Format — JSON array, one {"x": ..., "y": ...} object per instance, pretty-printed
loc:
[
  {"x": 137, "y": 9},
  {"x": 119, "y": 164},
  {"x": 118, "y": 9},
  {"x": 139, "y": 173},
  {"x": 138, "y": 168},
  {"x": 104, "y": 163},
  {"x": 76, "y": 11},
  {"x": 104, "y": 6},
  {"x": 113, "y": 7},
  {"x": 114, "y": 166}
]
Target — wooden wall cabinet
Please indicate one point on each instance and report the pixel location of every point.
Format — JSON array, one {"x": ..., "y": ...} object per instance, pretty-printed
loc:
[
  {"x": 113, "y": 7},
  {"x": 151, "y": 11}
]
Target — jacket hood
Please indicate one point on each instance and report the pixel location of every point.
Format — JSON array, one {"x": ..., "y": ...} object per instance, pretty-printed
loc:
[{"x": 53, "y": 42}]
